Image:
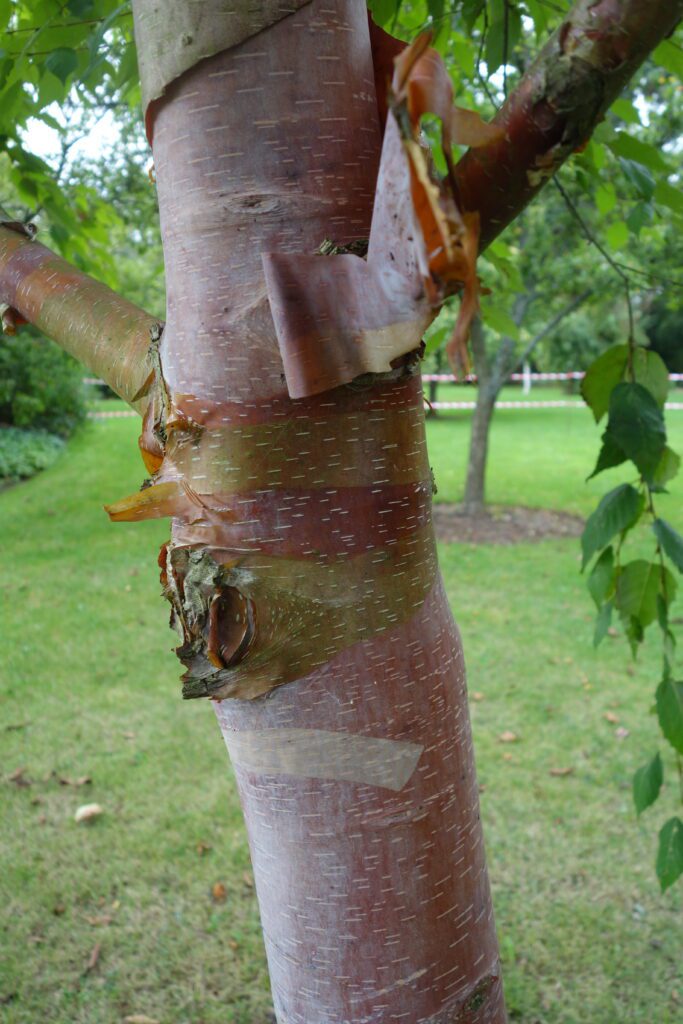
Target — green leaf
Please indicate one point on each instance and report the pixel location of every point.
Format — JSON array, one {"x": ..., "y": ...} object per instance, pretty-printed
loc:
[
  {"x": 609, "y": 456},
  {"x": 637, "y": 588},
  {"x": 647, "y": 783},
  {"x": 669, "y": 700},
  {"x": 669, "y": 195},
  {"x": 649, "y": 369},
  {"x": 617, "y": 235},
  {"x": 667, "y": 467},
  {"x": 639, "y": 215},
  {"x": 503, "y": 34},
  {"x": 601, "y": 580},
  {"x": 605, "y": 198},
  {"x": 636, "y": 426},
  {"x": 500, "y": 321},
  {"x": 642, "y": 153},
  {"x": 670, "y": 57},
  {"x": 602, "y": 377},
  {"x": 602, "y": 623},
  {"x": 62, "y": 63},
  {"x": 626, "y": 111},
  {"x": 639, "y": 177},
  {"x": 617, "y": 511},
  {"x": 634, "y": 634},
  {"x": 670, "y": 541},
  {"x": 669, "y": 864}
]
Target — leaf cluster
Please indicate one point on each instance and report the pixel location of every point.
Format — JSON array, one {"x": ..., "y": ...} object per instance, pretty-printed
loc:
[{"x": 628, "y": 385}]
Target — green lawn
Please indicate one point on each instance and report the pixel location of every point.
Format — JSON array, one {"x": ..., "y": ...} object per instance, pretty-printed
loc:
[{"x": 89, "y": 688}]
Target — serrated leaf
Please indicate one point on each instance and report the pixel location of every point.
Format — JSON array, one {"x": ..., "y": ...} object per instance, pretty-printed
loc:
[
  {"x": 640, "y": 215},
  {"x": 616, "y": 511},
  {"x": 602, "y": 377},
  {"x": 669, "y": 195},
  {"x": 667, "y": 467},
  {"x": 609, "y": 456},
  {"x": 669, "y": 864},
  {"x": 600, "y": 583},
  {"x": 639, "y": 177},
  {"x": 634, "y": 634},
  {"x": 669, "y": 700},
  {"x": 649, "y": 370},
  {"x": 602, "y": 623},
  {"x": 670, "y": 541},
  {"x": 617, "y": 235},
  {"x": 647, "y": 783},
  {"x": 637, "y": 589},
  {"x": 62, "y": 62},
  {"x": 643, "y": 153},
  {"x": 636, "y": 425}
]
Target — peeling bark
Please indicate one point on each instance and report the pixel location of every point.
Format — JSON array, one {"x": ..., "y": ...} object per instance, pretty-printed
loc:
[{"x": 302, "y": 551}]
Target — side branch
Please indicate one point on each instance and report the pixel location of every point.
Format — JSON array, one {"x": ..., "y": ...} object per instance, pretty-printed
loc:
[
  {"x": 558, "y": 103},
  {"x": 101, "y": 329}
]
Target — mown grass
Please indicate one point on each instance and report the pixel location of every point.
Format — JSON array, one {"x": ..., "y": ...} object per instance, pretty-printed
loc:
[{"x": 89, "y": 688}]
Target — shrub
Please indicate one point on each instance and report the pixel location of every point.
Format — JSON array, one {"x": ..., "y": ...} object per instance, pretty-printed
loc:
[
  {"x": 40, "y": 386},
  {"x": 24, "y": 452}
]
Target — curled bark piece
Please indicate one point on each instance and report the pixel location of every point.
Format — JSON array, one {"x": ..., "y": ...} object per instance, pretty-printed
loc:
[{"x": 338, "y": 317}]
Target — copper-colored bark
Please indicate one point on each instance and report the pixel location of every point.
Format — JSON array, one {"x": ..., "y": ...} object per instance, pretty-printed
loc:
[
  {"x": 103, "y": 330},
  {"x": 558, "y": 103},
  {"x": 302, "y": 550}
]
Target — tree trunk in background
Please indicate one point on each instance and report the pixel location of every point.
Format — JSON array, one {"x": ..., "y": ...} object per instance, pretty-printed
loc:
[
  {"x": 475, "y": 484},
  {"x": 488, "y": 388},
  {"x": 309, "y": 523}
]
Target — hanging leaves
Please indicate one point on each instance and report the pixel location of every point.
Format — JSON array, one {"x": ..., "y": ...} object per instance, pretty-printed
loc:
[{"x": 630, "y": 383}]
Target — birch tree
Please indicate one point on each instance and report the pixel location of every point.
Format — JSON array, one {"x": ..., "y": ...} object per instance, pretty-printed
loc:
[{"x": 308, "y": 242}]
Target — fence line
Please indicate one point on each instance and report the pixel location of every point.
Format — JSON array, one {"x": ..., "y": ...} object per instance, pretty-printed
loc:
[{"x": 448, "y": 378}]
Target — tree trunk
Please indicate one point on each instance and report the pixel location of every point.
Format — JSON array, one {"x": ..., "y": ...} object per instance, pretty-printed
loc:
[
  {"x": 305, "y": 527},
  {"x": 474, "y": 498}
]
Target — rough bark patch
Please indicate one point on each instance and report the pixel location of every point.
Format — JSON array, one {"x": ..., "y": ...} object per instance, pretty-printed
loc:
[{"x": 503, "y": 524}]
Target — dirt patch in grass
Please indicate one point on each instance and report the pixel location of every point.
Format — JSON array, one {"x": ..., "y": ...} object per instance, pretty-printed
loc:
[{"x": 503, "y": 524}]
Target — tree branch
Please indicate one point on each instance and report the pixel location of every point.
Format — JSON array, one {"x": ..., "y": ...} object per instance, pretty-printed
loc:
[
  {"x": 101, "y": 329},
  {"x": 559, "y": 101},
  {"x": 552, "y": 324}
]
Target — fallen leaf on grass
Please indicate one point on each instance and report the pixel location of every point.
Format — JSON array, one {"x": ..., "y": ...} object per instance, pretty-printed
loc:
[
  {"x": 219, "y": 893},
  {"x": 82, "y": 780},
  {"x": 562, "y": 771},
  {"x": 128, "y": 735},
  {"x": 140, "y": 1018},
  {"x": 248, "y": 879},
  {"x": 88, "y": 812},
  {"x": 19, "y": 777},
  {"x": 611, "y": 717},
  {"x": 58, "y": 909},
  {"x": 477, "y": 695},
  {"x": 93, "y": 958},
  {"x": 101, "y": 919},
  {"x": 203, "y": 848},
  {"x": 621, "y": 733},
  {"x": 508, "y": 737}
]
